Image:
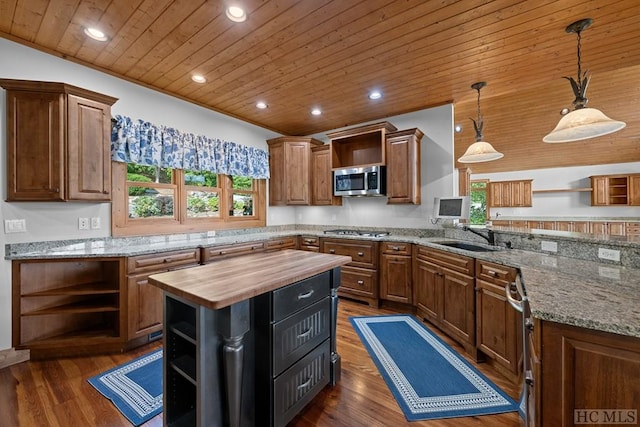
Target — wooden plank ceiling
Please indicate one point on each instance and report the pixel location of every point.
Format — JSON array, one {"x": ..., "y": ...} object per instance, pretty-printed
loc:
[{"x": 299, "y": 54}]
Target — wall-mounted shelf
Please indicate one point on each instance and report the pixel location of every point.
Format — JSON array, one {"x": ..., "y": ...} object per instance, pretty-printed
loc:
[
  {"x": 364, "y": 145},
  {"x": 564, "y": 190}
]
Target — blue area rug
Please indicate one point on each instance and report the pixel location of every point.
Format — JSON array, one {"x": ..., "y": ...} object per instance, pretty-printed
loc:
[
  {"x": 134, "y": 387},
  {"x": 427, "y": 377}
]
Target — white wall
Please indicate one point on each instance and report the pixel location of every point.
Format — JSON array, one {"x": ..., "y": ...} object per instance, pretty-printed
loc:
[
  {"x": 438, "y": 179},
  {"x": 59, "y": 221},
  {"x": 565, "y": 204}
]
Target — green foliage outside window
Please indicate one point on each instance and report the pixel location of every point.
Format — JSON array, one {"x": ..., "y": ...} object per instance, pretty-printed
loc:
[{"x": 478, "y": 214}]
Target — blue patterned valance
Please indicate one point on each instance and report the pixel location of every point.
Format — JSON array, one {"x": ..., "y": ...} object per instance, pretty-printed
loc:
[{"x": 140, "y": 142}]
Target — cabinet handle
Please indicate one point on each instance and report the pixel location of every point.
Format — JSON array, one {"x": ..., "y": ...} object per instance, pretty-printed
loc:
[
  {"x": 55, "y": 190},
  {"x": 105, "y": 192},
  {"x": 360, "y": 282},
  {"x": 517, "y": 305},
  {"x": 395, "y": 248},
  {"x": 360, "y": 253},
  {"x": 305, "y": 295},
  {"x": 167, "y": 260},
  {"x": 332, "y": 251},
  {"x": 305, "y": 384},
  {"x": 309, "y": 241},
  {"x": 221, "y": 252},
  {"x": 304, "y": 334},
  {"x": 528, "y": 377},
  {"x": 493, "y": 273}
]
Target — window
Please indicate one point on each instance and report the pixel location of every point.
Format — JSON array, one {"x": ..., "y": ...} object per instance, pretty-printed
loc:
[
  {"x": 150, "y": 200},
  {"x": 479, "y": 212}
]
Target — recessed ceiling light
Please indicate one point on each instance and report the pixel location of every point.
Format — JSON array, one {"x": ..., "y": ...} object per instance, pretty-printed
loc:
[
  {"x": 316, "y": 111},
  {"x": 198, "y": 78},
  {"x": 236, "y": 14},
  {"x": 375, "y": 94},
  {"x": 96, "y": 34},
  {"x": 261, "y": 105}
]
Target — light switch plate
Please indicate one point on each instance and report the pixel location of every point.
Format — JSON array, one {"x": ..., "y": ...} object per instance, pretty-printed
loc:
[{"x": 15, "y": 226}]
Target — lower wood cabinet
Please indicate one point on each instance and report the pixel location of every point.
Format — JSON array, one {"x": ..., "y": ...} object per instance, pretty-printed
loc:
[
  {"x": 584, "y": 371},
  {"x": 226, "y": 251},
  {"x": 360, "y": 276},
  {"x": 498, "y": 325},
  {"x": 144, "y": 301},
  {"x": 309, "y": 243},
  {"x": 444, "y": 293},
  {"x": 396, "y": 272},
  {"x": 71, "y": 306},
  {"x": 277, "y": 244}
]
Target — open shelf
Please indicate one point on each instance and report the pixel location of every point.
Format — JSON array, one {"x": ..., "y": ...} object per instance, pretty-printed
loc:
[
  {"x": 185, "y": 330},
  {"x": 186, "y": 366},
  {"x": 93, "y": 288},
  {"x": 564, "y": 190},
  {"x": 84, "y": 306}
]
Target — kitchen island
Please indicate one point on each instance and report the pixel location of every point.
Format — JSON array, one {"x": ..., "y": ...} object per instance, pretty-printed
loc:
[{"x": 249, "y": 340}]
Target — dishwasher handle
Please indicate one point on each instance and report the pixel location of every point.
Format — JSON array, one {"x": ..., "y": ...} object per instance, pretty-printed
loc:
[{"x": 511, "y": 288}]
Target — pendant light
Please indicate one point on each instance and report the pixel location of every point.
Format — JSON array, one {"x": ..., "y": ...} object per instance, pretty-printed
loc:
[
  {"x": 479, "y": 151},
  {"x": 582, "y": 122}
]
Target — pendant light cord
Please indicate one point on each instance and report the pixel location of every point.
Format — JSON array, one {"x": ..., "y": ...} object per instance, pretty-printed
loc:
[{"x": 579, "y": 60}]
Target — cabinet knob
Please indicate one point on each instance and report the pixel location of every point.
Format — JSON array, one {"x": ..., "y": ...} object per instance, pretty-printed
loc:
[
  {"x": 360, "y": 282},
  {"x": 105, "y": 192},
  {"x": 332, "y": 251},
  {"x": 360, "y": 253}
]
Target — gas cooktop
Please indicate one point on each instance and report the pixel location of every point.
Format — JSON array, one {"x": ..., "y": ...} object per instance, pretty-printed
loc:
[{"x": 364, "y": 233}]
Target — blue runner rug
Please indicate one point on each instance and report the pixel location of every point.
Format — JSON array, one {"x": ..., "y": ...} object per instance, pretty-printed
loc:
[
  {"x": 134, "y": 387},
  {"x": 427, "y": 377}
]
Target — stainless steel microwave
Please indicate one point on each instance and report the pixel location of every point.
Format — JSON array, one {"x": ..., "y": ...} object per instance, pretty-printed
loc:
[{"x": 364, "y": 181}]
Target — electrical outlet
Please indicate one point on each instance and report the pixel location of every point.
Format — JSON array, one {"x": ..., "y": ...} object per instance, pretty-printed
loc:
[
  {"x": 15, "y": 226},
  {"x": 549, "y": 246},
  {"x": 95, "y": 223},
  {"x": 609, "y": 254},
  {"x": 83, "y": 223}
]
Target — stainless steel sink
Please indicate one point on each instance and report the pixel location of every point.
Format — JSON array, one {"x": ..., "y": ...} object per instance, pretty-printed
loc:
[{"x": 466, "y": 246}]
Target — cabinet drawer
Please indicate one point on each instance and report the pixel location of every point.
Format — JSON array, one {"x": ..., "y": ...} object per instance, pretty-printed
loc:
[
  {"x": 359, "y": 280},
  {"x": 396, "y": 248},
  {"x": 299, "y": 295},
  {"x": 455, "y": 262},
  {"x": 296, "y": 335},
  {"x": 290, "y": 242},
  {"x": 495, "y": 272},
  {"x": 296, "y": 386},
  {"x": 162, "y": 261},
  {"x": 309, "y": 241},
  {"x": 226, "y": 251},
  {"x": 363, "y": 254}
]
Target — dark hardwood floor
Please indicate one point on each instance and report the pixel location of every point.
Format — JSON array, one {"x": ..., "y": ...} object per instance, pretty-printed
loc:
[{"x": 56, "y": 392}]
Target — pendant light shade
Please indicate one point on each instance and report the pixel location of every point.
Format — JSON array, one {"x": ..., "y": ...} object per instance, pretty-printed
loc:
[
  {"x": 479, "y": 151},
  {"x": 582, "y": 123}
]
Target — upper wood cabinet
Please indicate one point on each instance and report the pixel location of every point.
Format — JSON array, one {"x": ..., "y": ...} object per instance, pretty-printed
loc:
[
  {"x": 615, "y": 190},
  {"x": 58, "y": 142},
  {"x": 510, "y": 193},
  {"x": 321, "y": 177},
  {"x": 290, "y": 169},
  {"x": 403, "y": 166},
  {"x": 364, "y": 145}
]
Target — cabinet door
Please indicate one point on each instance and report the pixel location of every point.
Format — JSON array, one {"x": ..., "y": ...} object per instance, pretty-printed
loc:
[
  {"x": 88, "y": 150},
  {"x": 35, "y": 146},
  {"x": 403, "y": 166},
  {"x": 145, "y": 306},
  {"x": 584, "y": 369},
  {"x": 497, "y": 325},
  {"x": 617, "y": 228},
  {"x": 277, "y": 192},
  {"x": 297, "y": 166},
  {"x": 521, "y": 193},
  {"x": 634, "y": 190},
  {"x": 458, "y": 307},
  {"x": 395, "y": 278},
  {"x": 322, "y": 178},
  {"x": 427, "y": 290},
  {"x": 599, "y": 191},
  {"x": 500, "y": 194}
]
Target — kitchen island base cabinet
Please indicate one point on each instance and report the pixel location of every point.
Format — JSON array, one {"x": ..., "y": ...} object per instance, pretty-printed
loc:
[
  {"x": 257, "y": 358},
  {"x": 586, "y": 373}
]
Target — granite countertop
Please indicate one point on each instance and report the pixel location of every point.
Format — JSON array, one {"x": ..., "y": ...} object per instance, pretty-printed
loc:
[{"x": 582, "y": 293}]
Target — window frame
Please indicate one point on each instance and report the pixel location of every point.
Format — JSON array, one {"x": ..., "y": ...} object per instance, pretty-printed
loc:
[{"x": 122, "y": 225}]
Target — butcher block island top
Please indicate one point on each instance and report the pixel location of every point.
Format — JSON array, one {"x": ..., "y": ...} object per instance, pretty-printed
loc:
[{"x": 226, "y": 282}]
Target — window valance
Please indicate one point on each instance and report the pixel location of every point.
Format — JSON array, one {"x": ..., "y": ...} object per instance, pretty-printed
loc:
[{"x": 141, "y": 142}]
